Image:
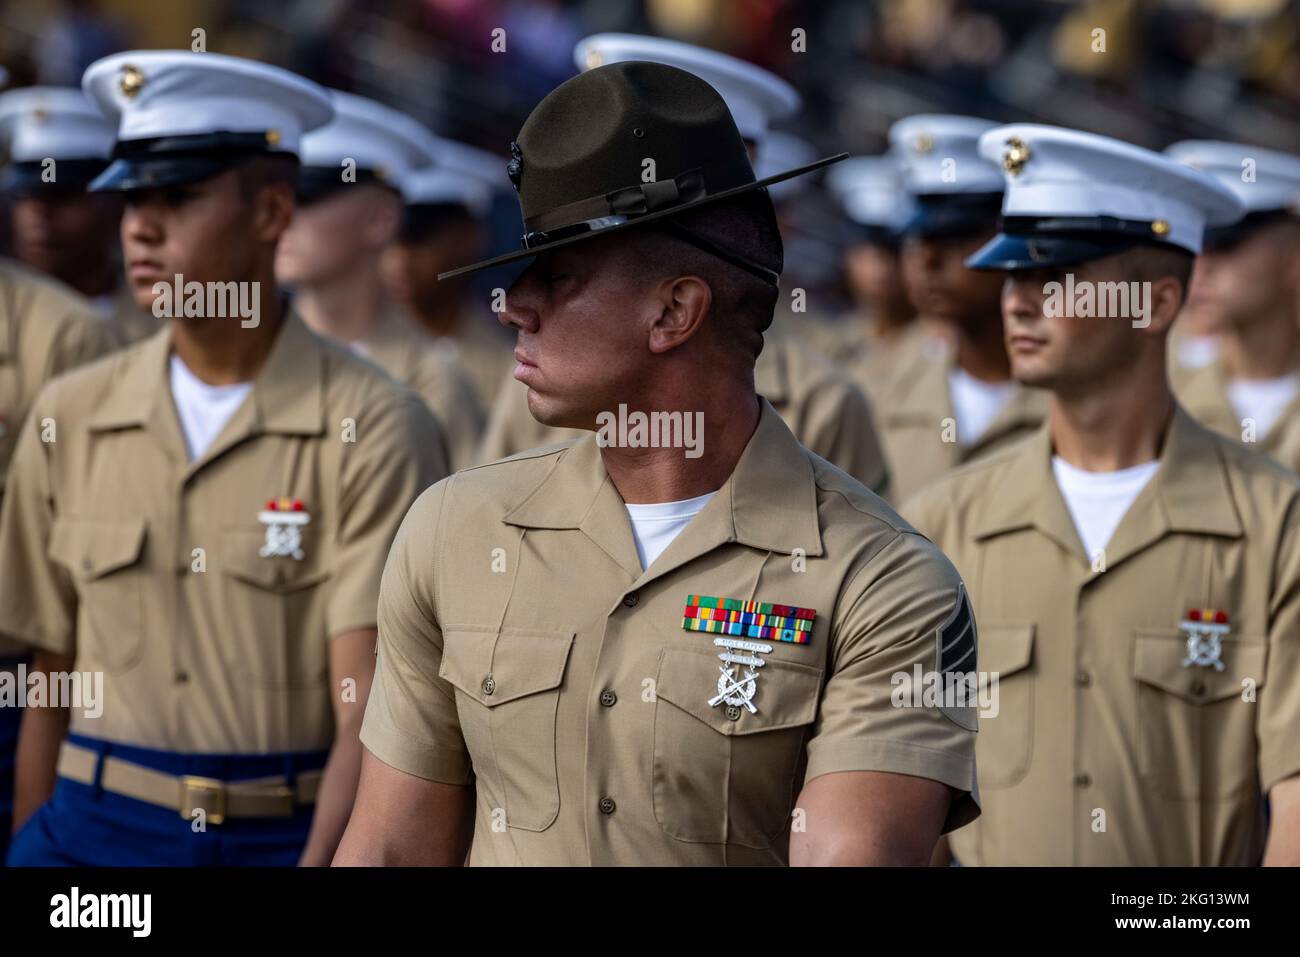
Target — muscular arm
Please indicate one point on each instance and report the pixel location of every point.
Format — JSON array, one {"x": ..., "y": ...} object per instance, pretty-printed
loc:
[
  {"x": 405, "y": 821},
  {"x": 39, "y": 739},
  {"x": 1283, "y": 847},
  {"x": 870, "y": 818},
  {"x": 352, "y": 656}
]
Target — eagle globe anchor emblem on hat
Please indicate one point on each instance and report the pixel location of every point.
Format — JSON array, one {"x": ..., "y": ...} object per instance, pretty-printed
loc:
[
  {"x": 284, "y": 521},
  {"x": 1206, "y": 629}
]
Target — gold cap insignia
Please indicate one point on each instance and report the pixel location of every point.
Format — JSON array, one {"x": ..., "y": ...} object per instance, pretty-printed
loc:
[
  {"x": 923, "y": 143},
  {"x": 1160, "y": 227},
  {"x": 40, "y": 114},
  {"x": 1016, "y": 156},
  {"x": 272, "y": 137},
  {"x": 131, "y": 82},
  {"x": 594, "y": 59}
]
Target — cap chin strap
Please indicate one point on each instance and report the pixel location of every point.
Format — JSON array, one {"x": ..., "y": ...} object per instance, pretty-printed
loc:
[{"x": 722, "y": 252}]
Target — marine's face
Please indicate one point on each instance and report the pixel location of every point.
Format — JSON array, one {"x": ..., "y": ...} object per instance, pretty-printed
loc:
[
  {"x": 873, "y": 274},
  {"x": 326, "y": 238},
  {"x": 202, "y": 231},
  {"x": 941, "y": 286},
  {"x": 1234, "y": 287},
  {"x": 577, "y": 316},
  {"x": 1050, "y": 348},
  {"x": 65, "y": 233}
]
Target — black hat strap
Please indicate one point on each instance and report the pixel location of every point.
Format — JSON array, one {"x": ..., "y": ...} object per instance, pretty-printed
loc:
[{"x": 722, "y": 252}]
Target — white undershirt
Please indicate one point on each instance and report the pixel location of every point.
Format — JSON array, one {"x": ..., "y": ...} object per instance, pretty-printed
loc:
[
  {"x": 204, "y": 409},
  {"x": 1196, "y": 352},
  {"x": 1098, "y": 500},
  {"x": 976, "y": 403},
  {"x": 654, "y": 526},
  {"x": 1263, "y": 400}
]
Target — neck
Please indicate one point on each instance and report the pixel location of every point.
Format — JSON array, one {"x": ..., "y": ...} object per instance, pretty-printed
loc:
[
  {"x": 886, "y": 319},
  {"x": 983, "y": 354},
  {"x": 1267, "y": 348},
  {"x": 444, "y": 316},
  {"x": 222, "y": 351},
  {"x": 1116, "y": 426},
  {"x": 97, "y": 279},
  {"x": 348, "y": 307},
  {"x": 648, "y": 475}
]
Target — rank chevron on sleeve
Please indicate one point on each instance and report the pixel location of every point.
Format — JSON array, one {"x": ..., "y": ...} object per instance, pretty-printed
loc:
[{"x": 752, "y": 619}]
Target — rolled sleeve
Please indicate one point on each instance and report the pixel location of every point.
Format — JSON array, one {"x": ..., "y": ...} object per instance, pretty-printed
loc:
[
  {"x": 892, "y": 613},
  {"x": 411, "y": 721}
]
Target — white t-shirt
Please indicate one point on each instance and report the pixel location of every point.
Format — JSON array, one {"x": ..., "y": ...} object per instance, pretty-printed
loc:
[
  {"x": 203, "y": 409},
  {"x": 976, "y": 403},
  {"x": 1263, "y": 400},
  {"x": 1196, "y": 352},
  {"x": 654, "y": 526},
  {"x": 1098, "y": 500}
]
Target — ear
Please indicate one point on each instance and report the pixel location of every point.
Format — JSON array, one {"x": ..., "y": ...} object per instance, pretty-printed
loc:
[
  {"x": 383, "y": 218},
  {"x": 1167, "y": 297},
  {"x": 684, "y": 303},
  {"x": 272, "y": 211}
]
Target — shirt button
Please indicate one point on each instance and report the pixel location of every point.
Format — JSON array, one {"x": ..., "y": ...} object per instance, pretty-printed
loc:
[
  {"x": 489, "y": 685},
  {"x": 87, "y": 564},
  {"x": 630, "y": 600},
  {"x": 608, "y": 699},
  {"x": 1198, "y": 687},
  {"x": 1083, "y": 679},
  {"x": 733, "y": 712},
  {"x": 1082, "y": 780},
  {"x": 607, "y": 805},
  {"x": 182, "y": 677}
]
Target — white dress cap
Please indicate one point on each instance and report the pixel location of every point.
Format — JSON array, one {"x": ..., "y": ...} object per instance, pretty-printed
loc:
[
  {"x": 755, "y": 97},
  {"x": 48, "y": 122},
  {"x": 377, "y": 138},
  {"x": 870, "y": 190},
  {"x": 940, "y": 154},
  {"x": 1264, "y": 180},
  {"x": 458, "y": 174}
]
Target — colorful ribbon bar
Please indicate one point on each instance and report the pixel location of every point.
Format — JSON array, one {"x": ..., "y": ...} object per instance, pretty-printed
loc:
[{"x": 748, "y": 619}]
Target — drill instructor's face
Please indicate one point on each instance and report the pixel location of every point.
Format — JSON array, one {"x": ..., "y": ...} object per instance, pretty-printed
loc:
[
  {"x": 209, "y": 231},
  {"x": 1233, "y": 287},
  {"x": 578, "y": 349}
]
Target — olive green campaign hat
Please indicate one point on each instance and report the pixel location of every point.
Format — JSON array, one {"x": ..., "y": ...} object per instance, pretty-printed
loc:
[{"x": 579, "y": 161}]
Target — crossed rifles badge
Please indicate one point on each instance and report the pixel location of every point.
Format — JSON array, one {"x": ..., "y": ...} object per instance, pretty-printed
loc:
[
  {"x": 284, "y": 520},
  {"x": 1206, "y": 628},
  {"x": 738, "y": 673}
]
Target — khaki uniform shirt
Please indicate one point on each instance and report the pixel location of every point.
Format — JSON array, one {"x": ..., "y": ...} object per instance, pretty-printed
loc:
[
  {"x": 820, "y": 404},
  {"x": 412, "y": 358},
  {"x": 483, "y": 351},
  {"x": 125, "y": 321},
  {"x": 1204, "y": 393},
  {"x": 45, "y": 329},
  {"x": 174, "y": 578},
  {"x": 520, "y": 641},
  {"x": 918, "y": 424},
  {"x": 875, "y": 365},
  {"x": 1110, "y": 746}
]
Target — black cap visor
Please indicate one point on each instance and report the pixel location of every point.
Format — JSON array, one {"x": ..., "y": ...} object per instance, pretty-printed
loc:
[{"x": 70, "y": 177}]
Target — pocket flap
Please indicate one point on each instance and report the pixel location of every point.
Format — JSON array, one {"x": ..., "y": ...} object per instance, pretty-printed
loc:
[
  {"x": 241, "y": 558},
  {"x": 1158, "y": 661},
  {"x": 786, "y": 693},
  {"x": 90, "y": 549},
  {"x": 494, "y": 668},
  {"x": 1005, "y": 649}
]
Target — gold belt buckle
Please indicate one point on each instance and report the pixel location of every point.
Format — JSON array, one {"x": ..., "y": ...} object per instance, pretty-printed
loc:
[{"x": 192, "y": 786}]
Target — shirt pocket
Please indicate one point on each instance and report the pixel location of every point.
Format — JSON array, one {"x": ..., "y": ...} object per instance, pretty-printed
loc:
[
  {"x": 508, "y": 685},
  {"x": 723, "y": 774},
  {"x": 1005, "y": 743},
  {"x": 270, "y": 623},
  {"x": 104, "y": 559},
  {"x": 1195, "y": 724}
]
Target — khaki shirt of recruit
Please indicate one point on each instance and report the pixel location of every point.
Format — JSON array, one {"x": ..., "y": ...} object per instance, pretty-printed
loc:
[
  {"x": 45, "y": 329},
  {"x": 150, "y": 569},
  {"x": 1109, "y": 747},
  {"x": 1204, "y": 393},
  {"x": 413, "y": 359},
  {"x": 820, "y": 404},
  {"x": 917, "y": 421},
  {"x": 125, "y": 321},
  {"x": 520, "y": 642}
]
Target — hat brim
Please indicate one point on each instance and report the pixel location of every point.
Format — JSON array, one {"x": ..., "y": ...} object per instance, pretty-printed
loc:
[
  {"x": 642, "y": 220},
  {"x": 1008, "y": 252},
  {"x": 71, "y": 177},
  {"x": 161, "y": 171}
]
